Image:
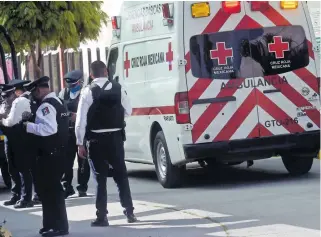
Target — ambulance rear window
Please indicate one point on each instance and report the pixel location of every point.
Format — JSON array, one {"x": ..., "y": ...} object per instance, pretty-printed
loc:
[{"x": 249, "y": 53}]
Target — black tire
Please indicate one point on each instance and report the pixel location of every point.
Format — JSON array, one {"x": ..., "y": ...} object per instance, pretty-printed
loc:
[
  {"x": 5, "y": 175},
  {"x": 296, "y": 165},
  {"x": 173, "y": 176}
]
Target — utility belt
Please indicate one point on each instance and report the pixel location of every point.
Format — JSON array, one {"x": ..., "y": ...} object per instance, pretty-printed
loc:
[{"x": 94, "y": 136}]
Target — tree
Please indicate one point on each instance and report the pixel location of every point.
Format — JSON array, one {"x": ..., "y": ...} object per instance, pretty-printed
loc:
[{"x": 34, "y": 25}]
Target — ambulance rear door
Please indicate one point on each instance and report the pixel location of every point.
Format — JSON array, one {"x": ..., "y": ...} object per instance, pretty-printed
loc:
[
  {"x": 221, "y": 93},
  {"x": 284, "y": 67}
]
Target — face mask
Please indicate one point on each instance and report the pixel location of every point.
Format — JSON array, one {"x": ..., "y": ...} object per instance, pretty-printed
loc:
[{"x": 75, "y": 89}]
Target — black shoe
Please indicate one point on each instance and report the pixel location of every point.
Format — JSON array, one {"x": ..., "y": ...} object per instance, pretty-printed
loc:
[
  {"x": 55, "y": 233},
  {"x": 11, "y": 202},
  {"x": 23, "y": 204},
  {"x": 100, "y": 222},
  {"x": 69, "y": 192},
  {"x": 82, "y": 194},
  {"x": 43, "y": 230},
  {"x": 36, "y": 200},
  {"x": 131, "y": 218}
]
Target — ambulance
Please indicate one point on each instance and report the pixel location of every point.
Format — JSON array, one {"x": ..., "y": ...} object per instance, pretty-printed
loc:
[{"x": 220, "y": 82}]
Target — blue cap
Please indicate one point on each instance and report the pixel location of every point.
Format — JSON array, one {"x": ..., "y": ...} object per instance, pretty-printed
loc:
[
  {"x": 39, "y": 82},
  {"x": 73, "y": 76}
]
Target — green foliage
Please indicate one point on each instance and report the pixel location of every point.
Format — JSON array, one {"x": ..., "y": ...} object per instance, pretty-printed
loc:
[{"x": 52, "y": 23}]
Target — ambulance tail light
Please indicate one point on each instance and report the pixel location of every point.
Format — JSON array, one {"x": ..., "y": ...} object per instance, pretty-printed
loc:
[
  {"x": 231, "y": 6},
  {"x": 182, "y": 108},
  {"x": 288, "y": 5},
  {"x": 115, "y": 21},
  {"x": 259, "y": 5},
  {"x": 168, "y": 14}
]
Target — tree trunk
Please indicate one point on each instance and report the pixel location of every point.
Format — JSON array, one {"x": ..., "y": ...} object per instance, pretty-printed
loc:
[
  {"x": 36, "y": 68},
  {"x": 39, "y": 58},
  {"x": 25, "y": 77}
]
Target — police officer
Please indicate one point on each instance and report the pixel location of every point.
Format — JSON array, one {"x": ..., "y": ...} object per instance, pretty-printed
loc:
[
  {"x": 70, "y": 96},
  {"x": 100, "y": 116},
  {"x": 21, "y": 152},
  {"x": 8, "y": 96},
  {"x": 51, "y": 126}
]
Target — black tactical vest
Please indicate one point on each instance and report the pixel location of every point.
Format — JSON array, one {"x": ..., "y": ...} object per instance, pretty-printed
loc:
[
  {"x": 72, "y": 104},
  {"x": 59, "y": 139},
  {"x": 106, "y": 112}
]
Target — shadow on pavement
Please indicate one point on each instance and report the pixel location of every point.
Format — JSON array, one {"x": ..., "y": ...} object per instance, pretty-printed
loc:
[{"x": 231, "y": 176}]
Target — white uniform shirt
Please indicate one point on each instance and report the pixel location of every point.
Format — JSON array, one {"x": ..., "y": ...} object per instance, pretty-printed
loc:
[
  {"x": 45, "y": 122},
  {"x": 19, "y": 105},
  {"x": 86, "y": 100}
]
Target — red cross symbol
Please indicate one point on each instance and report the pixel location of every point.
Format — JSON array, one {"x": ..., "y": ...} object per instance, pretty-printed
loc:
[
  {"x": 221, "y": 53},
  {"x": 278, "y": 47},
  {"x": 169, "y": 56},
  {"x": 126, "y": 64}
]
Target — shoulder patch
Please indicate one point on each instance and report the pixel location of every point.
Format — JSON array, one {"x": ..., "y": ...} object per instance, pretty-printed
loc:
[{"x": 45, "y": 111}]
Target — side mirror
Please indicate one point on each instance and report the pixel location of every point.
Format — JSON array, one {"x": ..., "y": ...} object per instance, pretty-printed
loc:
[{"x": 116, "y": 79}]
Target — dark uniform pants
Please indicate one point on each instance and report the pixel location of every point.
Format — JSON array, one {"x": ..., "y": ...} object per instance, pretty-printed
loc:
[
  {"x": 104, "y": 149},
  {"x": 83, "y": 175},
  {"x": 49, "y": 172},
  {"x": 20, "y": 174}
]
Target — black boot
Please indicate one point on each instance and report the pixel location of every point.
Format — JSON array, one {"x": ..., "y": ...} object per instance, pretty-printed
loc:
[
  {"x": 36, "y": 200},
  {"x": 82, "y": 194},
  {"x": 43, "y": 230},
  {"x": 131, "y": 218},
  {"x": 13, "y": 200},
  {"x": 23, "y": 204},
  {"x": 54, "y": 233},
  {"x": 100, "y": 222},
  {"x": 69, "y": 192}
]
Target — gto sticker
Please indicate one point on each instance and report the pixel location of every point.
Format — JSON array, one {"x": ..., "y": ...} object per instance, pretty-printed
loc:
[
  {"x": 310, "y": 107},
  {"x": 278, "y": 123}
]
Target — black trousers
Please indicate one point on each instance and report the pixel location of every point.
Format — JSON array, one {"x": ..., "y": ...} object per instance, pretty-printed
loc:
[
  {"x": 83, "y": 175},
  {"x": 104, "y": 149},
  {"x": 20, "y": 173},
  {"x": 48, "y": 175}
]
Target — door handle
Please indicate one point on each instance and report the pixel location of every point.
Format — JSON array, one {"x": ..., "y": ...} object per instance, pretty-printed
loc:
[{"x": 271, "y": 91}]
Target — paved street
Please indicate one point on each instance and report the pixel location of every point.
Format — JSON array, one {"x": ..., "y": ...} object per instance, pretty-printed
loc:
[{"x": 236, "y": 202}]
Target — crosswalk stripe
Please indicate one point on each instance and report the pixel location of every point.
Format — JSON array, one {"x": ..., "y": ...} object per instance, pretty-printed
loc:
[
  {"x": 276, "y": 230},
  {"x": 154, "y": 215},
  {"x": 87, "y": 212}
]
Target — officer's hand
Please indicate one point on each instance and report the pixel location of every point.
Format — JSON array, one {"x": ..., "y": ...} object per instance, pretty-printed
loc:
[
  {"x": 82, "y": 152},
  {"x": 26, "y": 116}
]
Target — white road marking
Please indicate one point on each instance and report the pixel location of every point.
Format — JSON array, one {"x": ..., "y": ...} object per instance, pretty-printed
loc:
[
  {"x": 161, "y": 216},
  {"x": 278, "y": 230},
  {"x": 88, "y": 211}
]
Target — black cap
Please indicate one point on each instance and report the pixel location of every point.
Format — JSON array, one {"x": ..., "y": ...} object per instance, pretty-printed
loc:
[
  {"x": 42, "y": 81},
  {"x": 73, "y": 76},
  {"x": 6, "y": 89},
  {"x": 18, "y": 83}
]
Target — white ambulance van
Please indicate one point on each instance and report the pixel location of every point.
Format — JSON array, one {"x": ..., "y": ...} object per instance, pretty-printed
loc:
[{"x": 217, "y": 82}]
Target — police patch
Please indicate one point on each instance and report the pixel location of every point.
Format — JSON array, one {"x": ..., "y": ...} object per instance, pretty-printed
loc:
[{"x": 45, "y": 111}]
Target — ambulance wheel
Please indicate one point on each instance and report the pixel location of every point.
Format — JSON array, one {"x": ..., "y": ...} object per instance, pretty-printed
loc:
[
  {"x": 169, "y": 175},
  {"x": 297, "y": 165},
  {"x": 5, "y": 175}
]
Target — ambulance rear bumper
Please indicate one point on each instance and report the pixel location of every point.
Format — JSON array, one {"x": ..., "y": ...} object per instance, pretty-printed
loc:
[{"x": 307, "y": 143}]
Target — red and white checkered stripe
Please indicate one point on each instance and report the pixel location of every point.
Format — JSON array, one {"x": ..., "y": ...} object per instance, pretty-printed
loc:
[{"x": 243, "y": 123}]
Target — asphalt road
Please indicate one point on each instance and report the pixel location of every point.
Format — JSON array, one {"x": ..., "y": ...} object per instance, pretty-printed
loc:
[{"x": 236, "y": 202}]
